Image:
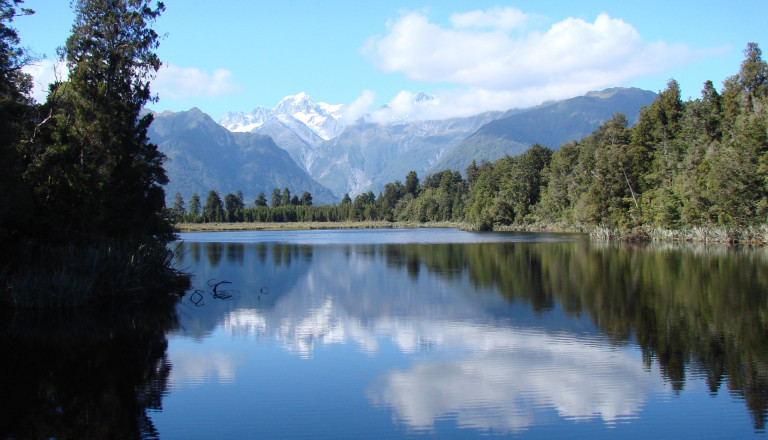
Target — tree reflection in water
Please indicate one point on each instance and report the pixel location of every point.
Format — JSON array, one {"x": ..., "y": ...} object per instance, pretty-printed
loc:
[
  {"x": 693, "y": 311},
  {"x": 84, "y": 373},
  {"x": 689, "y": 308}
]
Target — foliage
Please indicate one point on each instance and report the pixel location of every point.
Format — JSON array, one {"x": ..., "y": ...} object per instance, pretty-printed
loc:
[
  {"x": 80, "y": 175},
  {"x": 16, "y": 112},
  {"x": 684, "y": 164},
  {"x": 213, "y": 211},
  {"x": 95, "y": 173},
  {"x": 75, "y": 275}
]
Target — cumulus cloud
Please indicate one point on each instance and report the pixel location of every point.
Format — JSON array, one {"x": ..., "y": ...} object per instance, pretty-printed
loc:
[
  {"x": 494, "y": 66},
  {"x": 44, "y": 73},
  {"x": 351, "y": 112},
  {"x": 496, "y": 18},
  {"x": 174, "y": 82}
]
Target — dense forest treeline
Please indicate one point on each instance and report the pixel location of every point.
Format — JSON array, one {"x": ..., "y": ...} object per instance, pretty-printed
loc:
[
  {"x": 685, "y": 164},
  {"x": 82, "y": 211}
]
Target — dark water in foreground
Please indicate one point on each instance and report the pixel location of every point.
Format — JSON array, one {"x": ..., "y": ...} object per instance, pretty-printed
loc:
[{"x": 414, "y": 333}]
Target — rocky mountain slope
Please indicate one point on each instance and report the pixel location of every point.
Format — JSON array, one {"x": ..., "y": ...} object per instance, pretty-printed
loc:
[
  {"x": 203, "y": 155},
  {"x": 550, "y": 125}
]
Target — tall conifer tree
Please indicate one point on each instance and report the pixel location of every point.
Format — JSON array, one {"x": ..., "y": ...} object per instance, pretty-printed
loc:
[{"x": 104, "y": 166}]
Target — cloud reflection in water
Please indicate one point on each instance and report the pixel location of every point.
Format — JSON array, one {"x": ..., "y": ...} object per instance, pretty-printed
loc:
[{"x": 509, "y": 374}]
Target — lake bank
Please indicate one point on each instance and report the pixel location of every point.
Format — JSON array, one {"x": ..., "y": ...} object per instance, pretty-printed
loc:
[
  {"x": 752, "y": 235},
  {"x": 300, "y": 226}
]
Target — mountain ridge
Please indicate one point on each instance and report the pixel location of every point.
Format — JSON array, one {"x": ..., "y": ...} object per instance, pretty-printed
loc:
[
  {"x": 550, "y": 124},
  {"x": 366, "y": 155},
  {"x": 203, "y": 156}
]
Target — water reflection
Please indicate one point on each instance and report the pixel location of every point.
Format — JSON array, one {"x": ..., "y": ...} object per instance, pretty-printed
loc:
[
  {"x": 81, "y": 373},
  {"x": 513, "y": 330},
  {"x": 512, "y": 374}
]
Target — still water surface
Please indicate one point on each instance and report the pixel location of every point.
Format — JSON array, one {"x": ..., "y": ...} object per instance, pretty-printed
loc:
[
  {"x": 451, "y": 334},
  {"x": 426, "y": 333}
]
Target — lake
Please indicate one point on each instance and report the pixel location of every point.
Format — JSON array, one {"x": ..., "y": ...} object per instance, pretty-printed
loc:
[{"x": 416, "y": 333}]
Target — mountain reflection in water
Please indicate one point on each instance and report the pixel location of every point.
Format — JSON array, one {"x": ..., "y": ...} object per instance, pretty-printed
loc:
[{"x": 499, "y": 333}]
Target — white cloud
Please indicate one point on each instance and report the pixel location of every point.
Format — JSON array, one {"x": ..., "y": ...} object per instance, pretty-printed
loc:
[
  {"x": 463, "y": 102},
  {"x": 496, "y": 18},
  {"x": 174, "y": 82},
  {"x": 44, "y": 73},
  {"x": 351, "y": 112},
  {"x": 495, "y": 67}
]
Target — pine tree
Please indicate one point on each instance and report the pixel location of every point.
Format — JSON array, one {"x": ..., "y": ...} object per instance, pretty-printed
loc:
[
  {"x": 285, "y": 199},
  {"x": 194, "y": 205},
  {"x": 98, "y": 173},
  {"x": 275, "y": 199},
  {"x": 213, "y": 211},
  {"x": 412, "y": 184},
  {"x": 178, "y": 207},
  {"x": 261, "y": 200},
  {"x": 306, "y": 199}
]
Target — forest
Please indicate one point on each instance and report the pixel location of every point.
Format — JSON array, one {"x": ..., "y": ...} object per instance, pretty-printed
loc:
[
  {"x": 694, "y": 170},
  {"x": 82, "y": 213}
]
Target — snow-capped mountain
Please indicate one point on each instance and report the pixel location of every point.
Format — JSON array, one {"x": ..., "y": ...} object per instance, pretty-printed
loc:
[
  {"x": 382, "y": 146},
  {"x": 297, "y": 112}
]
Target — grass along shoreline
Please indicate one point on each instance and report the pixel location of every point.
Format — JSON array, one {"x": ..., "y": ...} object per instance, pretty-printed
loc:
[
  {"x": 750, "y": 235},
  {"x": 301, "y": 226}
]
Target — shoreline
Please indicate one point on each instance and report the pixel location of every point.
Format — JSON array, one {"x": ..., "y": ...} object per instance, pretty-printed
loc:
[
  {"x": 306, "y": 226},
  {"x": 751, "y": 235}
]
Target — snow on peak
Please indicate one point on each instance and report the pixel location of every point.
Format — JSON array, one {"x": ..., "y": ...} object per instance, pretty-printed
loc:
[
  {"x": 405, "y": 106},
  {"x": 423, "y": 96},
  {"x": 321, "y": 118}
]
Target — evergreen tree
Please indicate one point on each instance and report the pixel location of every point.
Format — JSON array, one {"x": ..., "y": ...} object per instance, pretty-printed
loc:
[
  {"x": 233, "y": 204},
  {"x": 213, "y": 211},
  {"x": 261, "y": 200},
  {"x": 285, "y": 198},
  {"x": 178, "y": 209},
  {"x": 98, "y": 175},
  {"x": 472, "y": 172},
  {"x": 194, "y": 205},
  {"x": 15, "y": 111},
  {"x": 412, "y": 184},
  {"x": 306, "y": 199},
  {"x": 275, "y": 200}
]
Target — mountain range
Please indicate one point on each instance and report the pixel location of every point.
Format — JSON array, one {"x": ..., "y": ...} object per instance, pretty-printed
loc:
[
  {"x": 203, "y": 155},
  {"x": 550, "y": 124},
  {"x": 310, "y": 146}
]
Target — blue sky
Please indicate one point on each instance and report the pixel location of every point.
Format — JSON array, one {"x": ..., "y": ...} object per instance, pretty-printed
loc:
[{"x": 234, "y": 55}]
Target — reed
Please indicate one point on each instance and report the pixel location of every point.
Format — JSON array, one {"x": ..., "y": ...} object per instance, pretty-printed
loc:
[
  {"x": 541, "y": 227},
  {"x": 72, "y": 275},
  {"x": 748, "y": 235},
  {"x": 298, "y": 226}
]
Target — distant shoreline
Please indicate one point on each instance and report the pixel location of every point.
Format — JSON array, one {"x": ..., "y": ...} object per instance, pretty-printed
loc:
[
  {"x": 302, "y": 226},
  {"x": 753, "y": 236}
]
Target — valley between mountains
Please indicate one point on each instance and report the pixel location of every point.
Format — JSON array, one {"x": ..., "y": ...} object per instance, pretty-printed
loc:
[{"x": 311, "y": 146}]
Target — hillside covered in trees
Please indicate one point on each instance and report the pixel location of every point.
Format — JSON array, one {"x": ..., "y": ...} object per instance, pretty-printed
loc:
[{"x": 700, "y": 163}]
